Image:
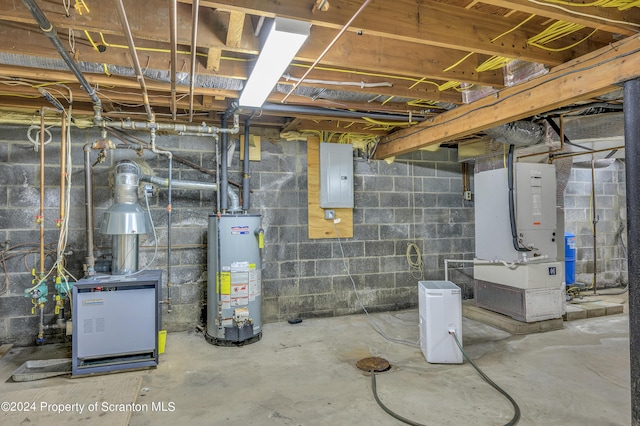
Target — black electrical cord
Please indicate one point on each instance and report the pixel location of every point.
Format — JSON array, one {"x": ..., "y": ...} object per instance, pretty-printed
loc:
[
  {"x": 516, "y": 416},
  {"x": 512, "y": 209}
]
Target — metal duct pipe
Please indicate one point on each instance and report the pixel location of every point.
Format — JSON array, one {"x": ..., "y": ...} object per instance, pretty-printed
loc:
[
  {"x": 50, "y": 32},
  {"x": 194, "y": 37},
  {"x": 337, "y": 113},
  {"x": 518, "y": 133},
  {"x": 179, "y": 184},
  {"x": 224, "y": 173},
  {"x": 134, "y": 58},
  {"x": 245, "y": 169},
  {"x": 173, "y": 24}
]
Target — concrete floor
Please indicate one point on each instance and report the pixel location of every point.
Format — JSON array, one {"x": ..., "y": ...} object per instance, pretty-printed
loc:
[{"x": 305, "y": 374}]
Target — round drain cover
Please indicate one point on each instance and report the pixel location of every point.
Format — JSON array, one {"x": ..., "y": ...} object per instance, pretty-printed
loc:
[{"x": 374, "y": 363}]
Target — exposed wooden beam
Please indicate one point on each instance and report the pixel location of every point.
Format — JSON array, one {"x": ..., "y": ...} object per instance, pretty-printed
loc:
[
  {"x": 213, "y": 58},
  {"x": 149, "y": 20},
  {"x": 236, "y": 27},
  {"x": 425, "y": 22},
  {"x": 604, "y": 18},
  {"x": 591, "y": 75}
]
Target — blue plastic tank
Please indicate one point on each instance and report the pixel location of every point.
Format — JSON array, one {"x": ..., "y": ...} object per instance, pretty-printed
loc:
[{"x": 569, "y": 258}]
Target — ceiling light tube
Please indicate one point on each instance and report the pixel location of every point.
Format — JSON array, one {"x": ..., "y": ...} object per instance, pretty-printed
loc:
[{"x": 283, "y": 42}]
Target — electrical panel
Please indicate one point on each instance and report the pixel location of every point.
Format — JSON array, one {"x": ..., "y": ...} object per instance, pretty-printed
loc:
[
  {"x": 336, "y": 175},
  {"x": 535, "y": 212}
]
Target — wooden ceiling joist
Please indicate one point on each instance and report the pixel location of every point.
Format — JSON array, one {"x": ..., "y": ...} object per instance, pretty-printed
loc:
[{"x": 591, "y": 75}]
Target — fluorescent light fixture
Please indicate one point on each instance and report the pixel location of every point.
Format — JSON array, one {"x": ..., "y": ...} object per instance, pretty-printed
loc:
[{"x": 283, "y": 42}]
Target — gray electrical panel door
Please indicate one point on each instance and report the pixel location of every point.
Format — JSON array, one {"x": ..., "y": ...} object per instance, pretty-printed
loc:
[{"x": 336, "y": 175}]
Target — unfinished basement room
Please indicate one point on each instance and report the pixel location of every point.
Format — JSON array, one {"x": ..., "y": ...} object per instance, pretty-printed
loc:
[{"x": 320, "y": 212}]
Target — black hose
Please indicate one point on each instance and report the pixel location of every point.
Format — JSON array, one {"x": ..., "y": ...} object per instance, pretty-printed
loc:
[
  {"x": 384, "y": 407},
  {"x": 512, "y": 209},
  {"x": 516, "y": 416}
]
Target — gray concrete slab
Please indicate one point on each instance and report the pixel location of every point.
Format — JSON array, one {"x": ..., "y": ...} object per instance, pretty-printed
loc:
[{"x": 305, "y": 374}]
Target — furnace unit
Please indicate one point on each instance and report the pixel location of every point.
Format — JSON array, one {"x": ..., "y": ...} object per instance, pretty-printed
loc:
[{"x": 516, "y": 267}]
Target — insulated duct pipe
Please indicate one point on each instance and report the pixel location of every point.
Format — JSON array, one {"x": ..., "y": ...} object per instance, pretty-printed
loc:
[
  {"x": 134, "y": 58},
  {"x": 518, "y": 133},
  {"x": 50, "y": 32},
  {"x": 245, "y": 170}
]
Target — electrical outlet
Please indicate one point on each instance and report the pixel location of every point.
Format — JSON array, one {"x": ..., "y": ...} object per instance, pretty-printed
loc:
[
  {"x": 329, "y": 214},
  {"x": 467, "y": 195}
]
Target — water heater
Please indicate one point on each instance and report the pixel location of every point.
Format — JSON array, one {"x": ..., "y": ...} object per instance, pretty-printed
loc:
[{"x": 234, "y": 290}]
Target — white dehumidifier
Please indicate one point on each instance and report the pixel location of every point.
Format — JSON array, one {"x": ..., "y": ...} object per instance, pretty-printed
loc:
[{"x": 440, "y": 304}]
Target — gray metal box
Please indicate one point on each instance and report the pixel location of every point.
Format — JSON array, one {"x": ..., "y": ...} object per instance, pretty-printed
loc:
[
  {"x": 336, "y": 175},
  {"x": 116, "y": 320}
]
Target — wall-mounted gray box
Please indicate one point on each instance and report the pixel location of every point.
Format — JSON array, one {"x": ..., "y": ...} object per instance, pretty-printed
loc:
[{"x": 336, "y": 175}]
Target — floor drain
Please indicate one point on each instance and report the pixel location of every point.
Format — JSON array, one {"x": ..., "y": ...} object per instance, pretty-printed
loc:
[{"x": 374, "y": 363}]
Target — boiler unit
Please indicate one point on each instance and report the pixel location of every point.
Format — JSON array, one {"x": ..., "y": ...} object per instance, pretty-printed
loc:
[
  {"x": 116, "y": 322},
  {"x": 234, "y": 290},
  {"x": 516, "y": 267}
]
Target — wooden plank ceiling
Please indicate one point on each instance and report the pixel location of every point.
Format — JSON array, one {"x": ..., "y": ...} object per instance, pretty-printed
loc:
[{"x": 412, "y": 72}]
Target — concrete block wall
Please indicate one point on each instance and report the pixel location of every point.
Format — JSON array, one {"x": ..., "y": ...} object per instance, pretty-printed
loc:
[
  {"x": 611, "y": 265},
  {"x": 417, "y": 199}
]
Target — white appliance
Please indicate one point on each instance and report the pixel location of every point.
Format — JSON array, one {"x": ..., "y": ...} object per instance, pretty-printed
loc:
[{"x": 440, "y": 306}]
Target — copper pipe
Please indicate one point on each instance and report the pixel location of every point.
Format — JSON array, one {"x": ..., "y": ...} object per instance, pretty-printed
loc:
[
  {"x": 40, "y": 218},
  {"x": 194, "y": 37},
  {"x": 63, "y": 167},
  {"x": 326, "y": 50},
  {"x": 173, "y": 24},
  {"x": 134, "y": 58},
  {"x": 577, "y": 154}
]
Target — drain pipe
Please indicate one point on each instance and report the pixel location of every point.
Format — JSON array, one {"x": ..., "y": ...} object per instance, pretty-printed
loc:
[
  {"x": 245, "y": 171},
  {"x": 50, "y": 32},
  {"x": 134, "y": 58},
  {"x": 169, "y": 156}
]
